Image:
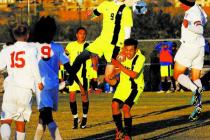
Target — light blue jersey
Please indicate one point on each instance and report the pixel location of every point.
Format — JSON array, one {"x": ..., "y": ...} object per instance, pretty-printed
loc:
[{"x": 50, "y": 55}]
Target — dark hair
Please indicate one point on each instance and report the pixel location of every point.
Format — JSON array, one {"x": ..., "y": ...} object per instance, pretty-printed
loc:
[
  {"x": 131, "y": 41},
  {"x": 20, "y": 30},
  {"x": 44, "y": 30},
  {"x": 81, "y": 28},
  {"x": 188, "y": 2}
]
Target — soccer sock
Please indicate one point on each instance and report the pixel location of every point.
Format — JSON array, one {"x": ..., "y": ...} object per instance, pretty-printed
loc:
[
  {"x": 39, "y": 132},
  {"x": 94, "y": 84},
  {"x": 198, "y": 83},
  {"x": 5, "y": 131},
  {"x": 55, "y": 134},
  {"x": 186, "y": 82},
  {"x": 118, "y": 121},
  {"x": 85, "y": 106},
  {"x": 20, "y": 135},
  {"x": 73, "y": 107},
  {"x": 128, "y": 126}
]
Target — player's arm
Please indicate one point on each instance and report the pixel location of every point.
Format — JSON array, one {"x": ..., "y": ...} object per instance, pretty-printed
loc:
[
  {"x": 128, "y": 72},
  {"x": 2, "y": 62},
  {"x": 193, "y": 23},
  {"x": 35, "y": 68}
]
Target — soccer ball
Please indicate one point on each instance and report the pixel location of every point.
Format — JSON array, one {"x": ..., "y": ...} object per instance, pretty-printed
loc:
[{"x": 140, "y": 7}]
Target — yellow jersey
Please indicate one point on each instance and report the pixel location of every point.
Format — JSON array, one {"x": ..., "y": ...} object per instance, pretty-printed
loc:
[{"x": 109, "y": 10}]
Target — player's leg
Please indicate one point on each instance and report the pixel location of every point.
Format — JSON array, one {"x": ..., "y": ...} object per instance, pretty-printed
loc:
[
  {"x": 47, "y": 119},
  {"x": 85, "y": 103},
  {"x": 5, "y": 129},
  {"x": 73, "y": 107},
  {"x": 20, "y": 130},
  {"x": 40, "y": 129},
  {"x": 196, "y": 99},
  {"x": 81, "y": 58},
  {"x": 117, "y": 117},
  {"x": 183, "y": 79},
  {"x": 127, "y": 120}
]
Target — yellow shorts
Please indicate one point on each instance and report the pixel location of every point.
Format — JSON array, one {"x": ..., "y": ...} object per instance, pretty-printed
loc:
[
  {"x": 102, "y": 47},
  {"x": 75, "y": 86},
  {"x": 166, "y": 71}
]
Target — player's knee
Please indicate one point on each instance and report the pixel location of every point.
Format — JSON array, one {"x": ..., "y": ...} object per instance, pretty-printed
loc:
[
  {"x": 72, "y": 97},
  {"x": 85, "y": 98},
  {"x": 126, "y": 109},
  {"x": 46, "y": 115},
  {"x": 20, "y": 126},
  {"x": 115, "y": 106}
]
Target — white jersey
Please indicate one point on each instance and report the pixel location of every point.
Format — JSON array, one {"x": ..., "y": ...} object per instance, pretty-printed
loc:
[
  {"x": 193, "y": 15},
  {"x": 50, "y": 56},
  {"x": 20, "y": 60}
]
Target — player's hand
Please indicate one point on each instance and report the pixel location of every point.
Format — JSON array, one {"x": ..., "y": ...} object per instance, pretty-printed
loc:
[
  {"x": 185, "y": 23},
  {"x": 116, "y": 63},
  {"x": 40, "y": 86},
  {"x": 121, "y": 58},
  {"x": 89, "y": 13}
]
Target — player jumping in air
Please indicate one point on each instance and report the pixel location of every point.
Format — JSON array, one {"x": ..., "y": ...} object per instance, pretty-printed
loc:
[{"x": 191, "y": 52}]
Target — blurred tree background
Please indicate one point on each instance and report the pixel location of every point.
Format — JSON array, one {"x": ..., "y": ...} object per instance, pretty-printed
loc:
[{"x": 156, "y": 24}]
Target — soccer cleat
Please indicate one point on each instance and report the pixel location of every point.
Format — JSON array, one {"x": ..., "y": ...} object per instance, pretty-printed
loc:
[
  {"x": 161, "y": 91},
  {"x": 83, "y": 123},
  {"x": 127, "y": 137},
  {"x": 195, "y": 114},
  {"x": 119, "y": 135},
  {"x": 196, "y": 98},
  {"x": 76, "y": 121}
]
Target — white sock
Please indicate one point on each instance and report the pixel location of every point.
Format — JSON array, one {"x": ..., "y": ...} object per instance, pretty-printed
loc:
[
  {"x": 55, "y": 134},
  {"x": 186, "y": 82},
  {"x": 198, "y": 83},
  {"x": 75, "y": 116},
  {"x": 39, "y": 132},
  {"x": 20, "y": 135},
  {"x": 5, "y": 131},
  {"x": 84, "y": 115}
]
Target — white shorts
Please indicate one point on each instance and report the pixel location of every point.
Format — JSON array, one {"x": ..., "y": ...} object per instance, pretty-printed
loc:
[
  {"x": 47, "y": 98},
  {"x": 17, "y": 103},
  {"x": 190, "y": 56}
]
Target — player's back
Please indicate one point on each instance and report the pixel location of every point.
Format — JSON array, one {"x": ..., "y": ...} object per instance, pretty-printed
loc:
[
  {"x": 20, "y": 60},
  {"x": 109, "y": 9},
  {"x": 50, "y": 55}
]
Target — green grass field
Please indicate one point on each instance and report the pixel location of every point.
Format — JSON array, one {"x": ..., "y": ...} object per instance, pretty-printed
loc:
[{"x": 156, "y": 116}]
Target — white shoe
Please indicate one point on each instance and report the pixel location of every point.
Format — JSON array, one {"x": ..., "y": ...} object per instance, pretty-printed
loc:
[
  {"x": 62, "y": 85},
  {"x": 161, "y": 91}
]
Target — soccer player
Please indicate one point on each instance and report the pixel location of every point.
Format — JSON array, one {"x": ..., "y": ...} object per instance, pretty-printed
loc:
[
  {"x": 191, "y": 52},
  {"x": 20, "y": 60},
  {"x": 74, "y": 49},
  {"x": 117, "y": 23},
  {"x": 50, "y": 56},
  {"x": 130, "y": 87}
]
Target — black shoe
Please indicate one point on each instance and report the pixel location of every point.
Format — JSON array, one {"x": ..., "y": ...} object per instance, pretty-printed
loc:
[
  {"x": 76, "y": 121},
  {"x": 83, "y": 123}
]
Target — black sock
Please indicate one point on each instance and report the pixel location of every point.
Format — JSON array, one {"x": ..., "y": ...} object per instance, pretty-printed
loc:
[
  {"x": 94, "y": 84},
  {"x": 118, "y": 121},
  {"x": 73, "y": 107},
  {"x": 85, "y": 106},
  {"x": 128, "y": 126}
]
